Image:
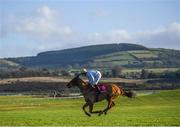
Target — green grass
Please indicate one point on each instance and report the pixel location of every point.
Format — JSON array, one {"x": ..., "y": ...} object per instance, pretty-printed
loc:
[
  {"x": 148, "y": 58},
  {"x": 116, "y": 63},
  {"x": 119, "y": 56},
  {"x": 144, "y": 54},
  {"x": 155, "y": 70},
  {"x": 127, "y": 57},
  {"x": 152, "y": 109}
]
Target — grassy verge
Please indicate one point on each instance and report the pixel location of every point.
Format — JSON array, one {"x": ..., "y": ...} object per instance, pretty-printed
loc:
[{"x": 153, "y": 109}]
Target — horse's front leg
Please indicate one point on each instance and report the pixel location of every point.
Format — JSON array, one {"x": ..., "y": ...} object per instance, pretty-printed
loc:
[
  {"x": 91, "y": 109},
  {"x": 84, "y": 106}
]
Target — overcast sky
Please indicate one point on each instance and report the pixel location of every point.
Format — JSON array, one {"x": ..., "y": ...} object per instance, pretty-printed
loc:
[{"x": 28, "y": 27}]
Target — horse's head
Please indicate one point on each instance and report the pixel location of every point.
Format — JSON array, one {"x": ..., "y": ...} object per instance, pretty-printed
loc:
[{"x": 74, "y": 82}]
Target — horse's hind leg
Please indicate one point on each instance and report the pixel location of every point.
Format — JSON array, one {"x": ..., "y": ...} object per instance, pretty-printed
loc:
[
  {"x": 84, "y": 106},
  {"x": 108, "y": 106},
  {"x": 112, "y": 104},
  {"x": 91, "y": 109}
]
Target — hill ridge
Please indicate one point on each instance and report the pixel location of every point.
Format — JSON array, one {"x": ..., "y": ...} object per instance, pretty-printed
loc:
[
  {"x": 91, "y": 46},
  {"x": 128, "y": 55}
]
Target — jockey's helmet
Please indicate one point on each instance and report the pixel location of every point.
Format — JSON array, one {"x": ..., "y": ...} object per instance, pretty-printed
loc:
[{"x": 83, "y": 70}]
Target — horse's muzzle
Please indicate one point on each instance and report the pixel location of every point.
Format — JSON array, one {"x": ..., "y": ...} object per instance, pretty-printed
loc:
[{"x": 69, "y": 85}]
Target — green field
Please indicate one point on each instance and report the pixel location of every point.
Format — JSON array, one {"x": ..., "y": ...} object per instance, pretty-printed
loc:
[
  {"x": 115, "y": 56},
  {"x": 144, "y": 54},
  {"x": 160, "y": 108},
  {"x": 155, "y": 70},
  {"x": 119, "y": 58}
]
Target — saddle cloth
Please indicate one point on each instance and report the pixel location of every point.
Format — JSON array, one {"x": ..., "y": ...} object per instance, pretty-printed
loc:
[{"x": 102, "y": 87}]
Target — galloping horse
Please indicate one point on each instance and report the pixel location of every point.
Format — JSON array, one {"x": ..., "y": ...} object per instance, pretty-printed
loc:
[{"x": 89, "y": 93}]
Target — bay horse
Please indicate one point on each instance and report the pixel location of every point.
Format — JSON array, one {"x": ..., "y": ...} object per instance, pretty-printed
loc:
[{"x": 91, "y": 97}]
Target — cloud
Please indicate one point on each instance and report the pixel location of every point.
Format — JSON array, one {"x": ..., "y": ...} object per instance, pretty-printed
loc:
[
  {"x": 43, "y": 28},
  {"x": 43, "y": 25},
  {"x": 28, "y": 35},
  {"x": 46, "y": 12},
  {"x": 118, "y": 35},
  {"x": 163, "y": 37}
]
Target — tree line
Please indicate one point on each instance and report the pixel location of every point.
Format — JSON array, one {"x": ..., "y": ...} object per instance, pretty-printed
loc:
[{"x": 116, "y": 71}]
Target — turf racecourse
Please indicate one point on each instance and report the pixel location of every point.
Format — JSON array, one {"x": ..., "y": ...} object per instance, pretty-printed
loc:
[{"x": 160, "y": 109}]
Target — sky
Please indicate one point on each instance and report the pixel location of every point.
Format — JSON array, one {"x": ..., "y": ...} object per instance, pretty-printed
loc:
[{"x": 28, "y": 27}]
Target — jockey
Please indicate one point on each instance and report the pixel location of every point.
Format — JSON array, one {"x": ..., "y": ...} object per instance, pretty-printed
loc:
[{"x": 93, "y": 76}]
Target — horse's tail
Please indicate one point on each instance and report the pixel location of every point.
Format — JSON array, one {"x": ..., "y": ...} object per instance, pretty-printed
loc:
[
  {"x": 129, "y": 94},
  {"x": 118, "y": 91}
]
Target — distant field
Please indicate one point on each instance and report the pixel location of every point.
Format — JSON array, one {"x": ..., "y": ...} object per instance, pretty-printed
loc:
[
  {"x": 159, "y": 109},
  {"x": 7, "y": 62},
  {"x": 119, "y": 58},
  {"x": 62, "y": 79},
  {"x": 137, "y": 58},
  {"x": 156, "y": 70},
  {"x": 115, "y": 56},
  {"x": 117, "y": 63},
  {"x": 144, "y": 54},
  {"x": 35, "y": 79}
]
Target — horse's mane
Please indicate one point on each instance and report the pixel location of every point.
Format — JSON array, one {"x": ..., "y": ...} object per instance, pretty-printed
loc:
[{"x": 78, "y": 76}]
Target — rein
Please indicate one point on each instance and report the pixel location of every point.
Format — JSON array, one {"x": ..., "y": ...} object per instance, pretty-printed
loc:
[{"x": 85, "y": 87}]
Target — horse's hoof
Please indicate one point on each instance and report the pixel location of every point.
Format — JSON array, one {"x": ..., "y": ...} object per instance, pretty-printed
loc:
[
  {"x": 100, "y": 113},
  {"x": 88, "y": 114},
  {"x": 105, "y": 113}
]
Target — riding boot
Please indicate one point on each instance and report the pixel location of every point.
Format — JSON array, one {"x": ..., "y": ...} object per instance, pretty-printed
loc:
[
  {"x": 97, "y": 92},
  {"x": 97, "y": 89},
  {"x": 91, "y": 86}
]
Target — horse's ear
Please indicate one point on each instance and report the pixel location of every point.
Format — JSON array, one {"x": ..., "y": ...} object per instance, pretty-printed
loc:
[{"x": 77, "y": 75}]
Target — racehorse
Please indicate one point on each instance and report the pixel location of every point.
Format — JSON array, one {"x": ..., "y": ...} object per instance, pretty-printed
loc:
[{"x": 91, "y": 96}]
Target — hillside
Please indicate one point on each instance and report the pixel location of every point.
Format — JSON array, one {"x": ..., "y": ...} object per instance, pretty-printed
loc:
[
  {"x": 140, "y": 58},
  {"x": 79, "y": 55},
  {"x": 105, "y": 56},
  {"x": 8, "y": 64}
]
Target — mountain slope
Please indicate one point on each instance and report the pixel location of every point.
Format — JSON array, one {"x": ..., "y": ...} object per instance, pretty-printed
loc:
[
  {"x": 140, "y": 58},
  {"x": 108, "y": 55},
  {"x": 79, "y": 55},
  {"x": 7, "y": 64}
]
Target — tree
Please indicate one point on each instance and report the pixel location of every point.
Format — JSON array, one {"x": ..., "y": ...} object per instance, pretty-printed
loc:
[
  {"x": 116, "y": 71},
  {"x": 178, "y": 74},
  {"x": 144, "y": 74},
  {"x": 23, "y": 69},
  {"x": 65, "y": 73}
]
